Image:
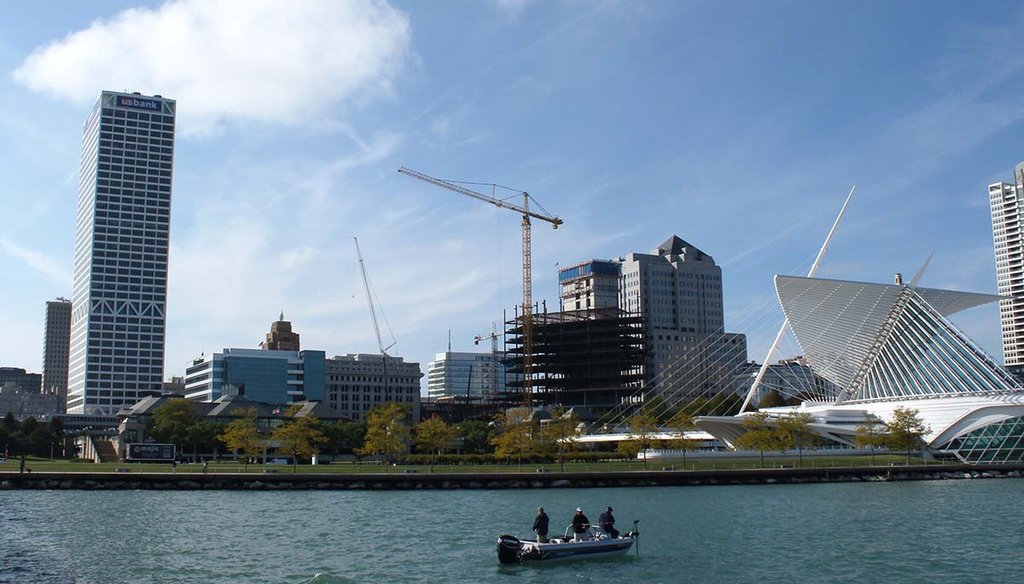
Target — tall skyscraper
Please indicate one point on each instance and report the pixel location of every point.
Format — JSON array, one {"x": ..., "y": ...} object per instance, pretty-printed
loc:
[
  {"x": 1007, "y": 203},
  {"x": 120, "y": 275},
  {"x": 56, "y": 346},
  {"x": 677, "y": 290}
]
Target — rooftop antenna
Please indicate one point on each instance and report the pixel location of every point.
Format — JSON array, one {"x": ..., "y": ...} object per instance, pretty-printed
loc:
[{"x": 785, "y": 321}]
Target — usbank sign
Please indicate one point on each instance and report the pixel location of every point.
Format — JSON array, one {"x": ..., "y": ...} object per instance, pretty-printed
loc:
[{"x": 137, "y": 103}]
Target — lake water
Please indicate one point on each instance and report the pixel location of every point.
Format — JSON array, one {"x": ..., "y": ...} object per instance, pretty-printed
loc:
[{"x": 907, "y": 532}]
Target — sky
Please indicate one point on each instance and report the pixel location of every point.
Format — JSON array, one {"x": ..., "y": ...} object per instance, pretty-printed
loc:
[{"x": 738, "y": 126}]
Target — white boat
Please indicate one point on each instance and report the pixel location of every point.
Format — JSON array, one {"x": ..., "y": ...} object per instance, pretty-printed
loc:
[{"x": 512, "y": 550}]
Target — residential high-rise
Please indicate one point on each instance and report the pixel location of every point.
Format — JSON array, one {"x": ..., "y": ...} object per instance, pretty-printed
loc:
[
  {"x": 1007, "y": 203},
  {"x": 56, "y": 347},
  {"x": 121, "y": 242}
]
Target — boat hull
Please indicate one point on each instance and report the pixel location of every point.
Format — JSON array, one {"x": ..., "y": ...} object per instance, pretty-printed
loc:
[{"x": 512, "y": 550}]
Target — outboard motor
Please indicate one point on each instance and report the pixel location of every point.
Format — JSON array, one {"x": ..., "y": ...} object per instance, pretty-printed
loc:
[{"x": 508, "y": 549}]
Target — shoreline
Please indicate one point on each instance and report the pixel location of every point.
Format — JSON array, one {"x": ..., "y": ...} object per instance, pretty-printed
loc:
[{"x": 286, "y": 481}]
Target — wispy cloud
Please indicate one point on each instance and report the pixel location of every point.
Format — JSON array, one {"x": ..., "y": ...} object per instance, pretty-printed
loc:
[
  {"x": 513, "y": 9},
  {"x": 226, "y": 60},
  {"x": 39, "y": 262},
  {"x": 323, "y": 182}
]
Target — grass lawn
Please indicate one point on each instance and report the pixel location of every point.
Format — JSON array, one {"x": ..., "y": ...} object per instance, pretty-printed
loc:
[{"x": 60, "y": 465}]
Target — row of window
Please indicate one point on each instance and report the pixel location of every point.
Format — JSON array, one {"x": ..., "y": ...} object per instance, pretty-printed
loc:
[
  {"x": 407, "y": 389},
  {"x": 130, "y": 154},
  {"x": 371, "y": 378},
  {"x": 119, "y": 131},
  {"x": 136, "y": 166},
  {"x": 108, "y": 199},
  {"x": 110, "y": 113},
  {"x": 138, "y": 365},
  {"x": 128, "y": 330},
  {"x": 150, "y": 180},
  {"x": 157, "y": 121}
]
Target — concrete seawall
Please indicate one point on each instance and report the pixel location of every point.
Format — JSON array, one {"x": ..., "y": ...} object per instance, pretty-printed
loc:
[{"x": 505, "y": 480}]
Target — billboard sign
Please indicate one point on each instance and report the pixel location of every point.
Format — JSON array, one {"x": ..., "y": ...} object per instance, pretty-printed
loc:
[
  {"x": 141, "y": 103},
  {"x": 150, "y": 452}
]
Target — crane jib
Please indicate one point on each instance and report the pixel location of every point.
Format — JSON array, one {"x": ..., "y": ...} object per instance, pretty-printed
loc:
[{"x": 527, "y": 333}]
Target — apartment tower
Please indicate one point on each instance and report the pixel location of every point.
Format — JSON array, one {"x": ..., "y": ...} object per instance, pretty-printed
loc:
[
  {"x": 1007, "y": 203},
  {"x": 121, "y": 242}
]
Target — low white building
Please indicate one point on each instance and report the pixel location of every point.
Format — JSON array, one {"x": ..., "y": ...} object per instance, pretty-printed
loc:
[
  {"x": 886, "y": 346},
  {"x": 454, "y": 374}
]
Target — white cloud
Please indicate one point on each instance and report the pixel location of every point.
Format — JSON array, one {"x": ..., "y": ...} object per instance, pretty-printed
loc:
[
  {"x": 262, "y": 60},
  {"x": 38, "y": 261},
  {"x": 440, "y": 126},
  {"x": 323, "y": 182},
  {"x": 512, "y": 8},
  {"x": 298, "y": 256}
]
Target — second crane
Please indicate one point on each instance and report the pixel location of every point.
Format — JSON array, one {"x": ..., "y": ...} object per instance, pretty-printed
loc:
[{"x": 524, "y": 209}]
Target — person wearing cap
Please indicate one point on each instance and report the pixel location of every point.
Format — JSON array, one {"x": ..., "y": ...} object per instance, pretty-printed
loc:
[
  {"x": 607, "y": 522},
  {"x": 580, "y": 525},
  {"x": 540, "y": 525}
]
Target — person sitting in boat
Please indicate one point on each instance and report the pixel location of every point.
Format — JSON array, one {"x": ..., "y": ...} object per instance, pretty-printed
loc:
[
  {"x": 607, "y": 522},
  {"x": 540, "y": 525},
  {"x": 580, "y": 526}
]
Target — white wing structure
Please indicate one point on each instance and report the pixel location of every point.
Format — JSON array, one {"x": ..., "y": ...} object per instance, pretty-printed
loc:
[
  {"x": 881, "y": 342},
  {"x": 885, "y": 346}
]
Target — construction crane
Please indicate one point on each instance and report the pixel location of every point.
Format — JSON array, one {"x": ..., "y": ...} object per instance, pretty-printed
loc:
[
  {"x": 373, "y": 316},
  {"x": 493, "y": 336},
  {"x": 524, "y": 209}
]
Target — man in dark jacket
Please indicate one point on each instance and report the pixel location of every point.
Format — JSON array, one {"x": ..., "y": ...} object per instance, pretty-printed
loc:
[
  {"x": 540, "y": 525},
  {"x": 580, "y": 525},
  {"x": 607, "y": 522}
]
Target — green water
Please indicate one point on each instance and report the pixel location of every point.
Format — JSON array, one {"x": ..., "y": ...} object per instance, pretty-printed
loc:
[{"x": 936, "y": 531}]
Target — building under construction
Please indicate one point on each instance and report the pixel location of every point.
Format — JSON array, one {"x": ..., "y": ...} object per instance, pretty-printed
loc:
[{"x": 592, "y": 357}]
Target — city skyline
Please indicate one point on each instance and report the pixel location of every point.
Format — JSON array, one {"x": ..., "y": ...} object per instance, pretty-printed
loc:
[{"x": 719, "y": 124}]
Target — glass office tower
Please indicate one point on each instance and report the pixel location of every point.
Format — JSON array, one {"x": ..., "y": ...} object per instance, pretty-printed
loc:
[{"x": 121, "y": 242}]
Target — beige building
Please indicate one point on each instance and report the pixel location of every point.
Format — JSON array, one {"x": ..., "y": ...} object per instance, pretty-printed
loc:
[
  {"x": 281, "y": 337},
  {"x": 355, "y": 383},
  {"x": 57, "y": 348}
]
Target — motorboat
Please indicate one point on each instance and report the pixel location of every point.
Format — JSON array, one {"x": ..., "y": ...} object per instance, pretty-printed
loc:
[{"x": 595, "y": 544}]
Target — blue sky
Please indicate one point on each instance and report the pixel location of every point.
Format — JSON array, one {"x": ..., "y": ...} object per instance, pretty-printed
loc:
[{"x": 739, "y": 126}]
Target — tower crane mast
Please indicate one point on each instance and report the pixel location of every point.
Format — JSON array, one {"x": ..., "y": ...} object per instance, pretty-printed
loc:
[
  {"x": 524, "y": 210},
  {"x": 493, "y": 336}
]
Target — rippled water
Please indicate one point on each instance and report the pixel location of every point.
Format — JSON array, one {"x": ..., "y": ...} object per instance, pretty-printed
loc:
[{"x": 953, "y": 531}]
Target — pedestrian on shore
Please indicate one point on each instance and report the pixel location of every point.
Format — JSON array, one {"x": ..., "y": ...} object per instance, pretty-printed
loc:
[
  {"x": 540, "y": 525},
  {"x": 174, "y": 467},
  {"x": 21, "y": 465},
  {"x": 204, "y": 467},
  {"x": 580, "y": 526}
]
